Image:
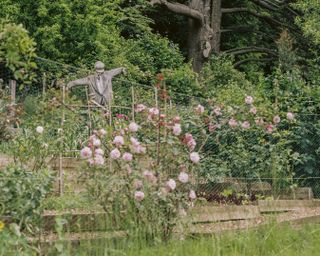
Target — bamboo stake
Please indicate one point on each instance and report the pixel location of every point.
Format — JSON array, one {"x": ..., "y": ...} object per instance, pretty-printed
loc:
[
  {"x": 61, "y": 173},
  {"x": 89, "y": 111},
  {"x": 133, "y": 103},
  {"x": 44, "y": 84},
  {"x": 13, "y": 87}
]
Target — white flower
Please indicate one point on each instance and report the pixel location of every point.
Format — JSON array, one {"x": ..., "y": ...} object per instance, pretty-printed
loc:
[
  {"x": 290, "y": 116},
  {"x": 194, "y": 157},
  {"x": 183, "y": 177},
  {"x": 177, "y": 129},
  {"x": 118, "y": 141},
  {"x": 200, "y": 109},
  {"x": 249, "y": 100},
  {"x": 140, "y": 108},
  {"x": 102, "y": 132},
  {"x": 115, "y": 153},
  {"x": 171, "y": 185},
  {"x": 99, "y": 160},
  {"x": 86, "y": 152},
  {"x": 276, "y": 119},
  {"x": 192, "y": 195},
  {"x": 127, "y": 157},
  {"x": 96, "y": 143},
  {"x": 139, "y": 195},
  {"x": 99, "y": 151},
  {"x": 39, "y": 129},
  {"x": 133, "y": 127}
]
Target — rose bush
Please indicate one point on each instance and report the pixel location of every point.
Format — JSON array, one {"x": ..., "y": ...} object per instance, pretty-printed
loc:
[{"x": 142, "y": 173}]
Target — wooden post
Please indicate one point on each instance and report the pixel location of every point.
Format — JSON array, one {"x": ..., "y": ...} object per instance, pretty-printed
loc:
[
  {"x": 89, "y": 111},
  {"x": 156, "y": 96},
  {"x": 44, "y": 84},
  {"x": 133, "y": 103},
  {"x": 13, "y": 87},
  {"x": 61, "y": 172}
]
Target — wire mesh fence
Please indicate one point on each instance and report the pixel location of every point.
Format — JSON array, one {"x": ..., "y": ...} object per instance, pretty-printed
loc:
[{"x": 230, "y": 180}]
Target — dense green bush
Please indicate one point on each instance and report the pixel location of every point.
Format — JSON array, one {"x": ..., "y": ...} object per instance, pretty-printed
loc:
[{"x": 21, "y": 194}]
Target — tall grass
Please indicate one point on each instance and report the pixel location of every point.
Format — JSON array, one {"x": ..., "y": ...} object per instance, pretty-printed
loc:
[{"x": 269, "y": 240}]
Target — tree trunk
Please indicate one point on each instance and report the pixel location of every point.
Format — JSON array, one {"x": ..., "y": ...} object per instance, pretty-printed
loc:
[
  {"x": 204, "y": 38},
  {"x": 216, "y": 25}
]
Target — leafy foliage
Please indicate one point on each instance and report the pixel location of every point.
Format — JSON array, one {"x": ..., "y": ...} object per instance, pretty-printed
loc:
[
  {"x": 17, "y": 51},
  {"x": 21, "y": 194}
]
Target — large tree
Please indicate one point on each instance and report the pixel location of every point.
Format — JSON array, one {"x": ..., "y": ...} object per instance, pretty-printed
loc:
[{"x": 208, "y": 20}]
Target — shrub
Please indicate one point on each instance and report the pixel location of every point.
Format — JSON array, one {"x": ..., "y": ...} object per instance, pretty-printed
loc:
[{"x": 21, "y": 194}]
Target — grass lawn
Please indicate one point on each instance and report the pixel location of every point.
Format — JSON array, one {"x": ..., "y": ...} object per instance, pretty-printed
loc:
[{"x": 270, "y": 240}]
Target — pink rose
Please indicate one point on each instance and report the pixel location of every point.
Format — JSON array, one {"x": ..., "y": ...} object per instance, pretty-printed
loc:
[
  {"x": 149, "y": 176},
  {"x": 176, "y": 119},
  {"x": 99, "y": 151},
  {"x": 96, "y": 142},
  {"x": 137, "y": 184},
  {"x": 183, "y": 177},
  {"x": 245, "y": 125},
  {"x": 86, "y": 152},
  {"x": 199, "y": 109},
  {"x": 171, "y": 185},
  {"x": 249, "y": 100},
  {"x": 39, "y": 129},
  {"x": 102, "y": 132},
  {"x": 177, "y": 129},
  {"x": 189, "y": 141},
  {"x": 139, "y": 196},
  {"x": 253, "y": 110},
  {"x": 133, "y": 127},
  {"x": 194, "y": 157},
  {"x": 233, "y": 123},
  {"x": 98, "y": 160},
  {"x": 127, "y": 157},
  {"x": 212, "y": 128},
  {"x": 217, "y": 111},
  {"x": 118, "y": 141},
  {"x": 290, "y": 116},
  {"x": 192, "y": 195},
  {"x": 259, "y": 121},
  {"x": 276, "y": 119},
  {"x": 115, "y": 153},
  {"x": 154, "y": 111},
  {"x": 140, "y": 108},
  {"x": 269, "y": 128}
]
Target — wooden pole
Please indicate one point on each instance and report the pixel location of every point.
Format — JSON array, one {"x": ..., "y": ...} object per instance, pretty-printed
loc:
[
  {"x": 133, "y": 103},
  {"x": 89, "y": 111},
  {"x": 13, "y": 87},
  {"x": 61, "y": 172},
  {"x": 44, "y": 84}
]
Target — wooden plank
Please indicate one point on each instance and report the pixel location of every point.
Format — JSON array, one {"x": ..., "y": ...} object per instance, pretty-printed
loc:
[
  {"x": 285, "y": 205},
  {"x": 223, "y": 213}
]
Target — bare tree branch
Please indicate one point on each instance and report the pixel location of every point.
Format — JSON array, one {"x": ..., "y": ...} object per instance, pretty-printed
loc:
[
  {"x": 180, "y": 9},
  {"x": 246, "y": 29},
  {"x": 264, "y": 4},
  {"x": 267, "y": 18},
  {"x": 240, "y": 62},
  {"x": 250, "y": 49}
]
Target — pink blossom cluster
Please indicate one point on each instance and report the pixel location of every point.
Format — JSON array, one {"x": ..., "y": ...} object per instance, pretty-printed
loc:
[
  {"x": 176, "y": 129},
  {"x": 199, "y": 109},
  {"x": 189, "y": 141},
  {"x": 140, "y": 108},
  {"x": 136, "y": 146},
  {"x": 217, "y": 111},
  {"x": 153, "y": 113},
  {"x": 93, "y": 153}
]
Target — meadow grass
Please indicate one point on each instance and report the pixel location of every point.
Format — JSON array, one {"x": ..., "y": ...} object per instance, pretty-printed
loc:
[{"x": 269, "y": 240}]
